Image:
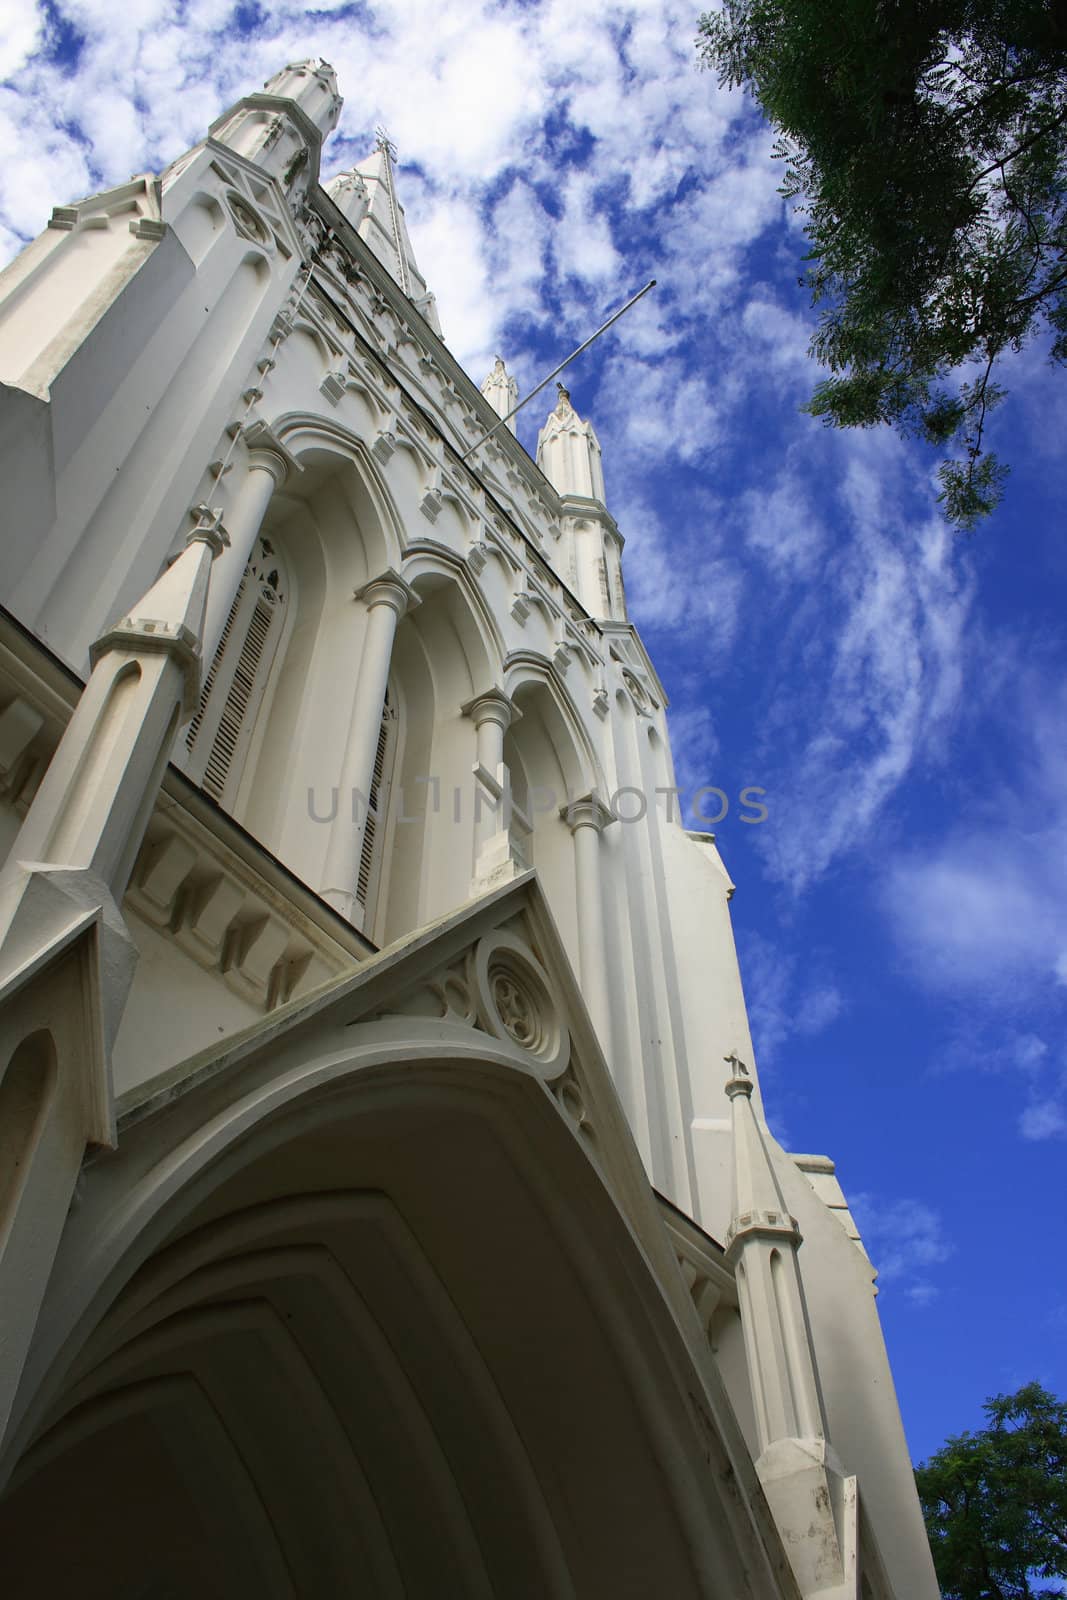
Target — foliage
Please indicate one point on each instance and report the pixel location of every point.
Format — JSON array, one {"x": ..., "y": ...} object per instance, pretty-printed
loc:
[
  {"x": 926, "y": 144},
  {"x": 995, "y": 1502}
]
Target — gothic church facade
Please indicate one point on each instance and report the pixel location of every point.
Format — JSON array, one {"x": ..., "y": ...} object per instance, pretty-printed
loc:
[{"x": 386, "y": 1201}]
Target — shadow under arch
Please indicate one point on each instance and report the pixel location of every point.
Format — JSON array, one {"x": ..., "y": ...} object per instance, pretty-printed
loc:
[
  {"x": 447, "y": 650},
  {"x": 27, "y": 1088},
  {"x": 532, "y": 680},
  {"x": 379, "y": 1321},
  {"x": 552, "y": 761},
  {"x": 324, "y": 447},
  {"x": 338, "y": 527}
]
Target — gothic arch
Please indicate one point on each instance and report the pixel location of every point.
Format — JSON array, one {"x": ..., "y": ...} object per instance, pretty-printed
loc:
[
  {"x": 447, "y": 649},
  {"x": 316, "y": 439},
  {"x": 381, "y": 1292},
  {"x": 530, "y": 676},
  {"x": 554, "y": 755},
  {"x": 340, "y": 529},
  {"x": 431, "y": 567}
]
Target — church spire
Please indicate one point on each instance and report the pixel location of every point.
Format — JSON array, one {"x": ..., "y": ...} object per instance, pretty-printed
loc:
[
  {"x": 282, "y": 129},
  {"x": 568, "y": 452},
  {"x": 367, "y": 195},
  {"x": 501, "y": 390}
]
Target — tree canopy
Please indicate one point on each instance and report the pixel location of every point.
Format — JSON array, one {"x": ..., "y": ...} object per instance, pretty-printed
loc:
[
  {"x": 995, "y": 1501},
  {"x": 926, "y": 143}
]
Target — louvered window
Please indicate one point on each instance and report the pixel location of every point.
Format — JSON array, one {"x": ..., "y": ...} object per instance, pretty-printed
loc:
[
  {"x": 220, "y": 732},
  {"x": 370, "y": 858}
]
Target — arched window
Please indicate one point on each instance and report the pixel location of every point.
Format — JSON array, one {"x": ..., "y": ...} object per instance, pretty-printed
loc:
[
  {"x": 219, "y": 734},
  {"x": 369, "y": 876}
]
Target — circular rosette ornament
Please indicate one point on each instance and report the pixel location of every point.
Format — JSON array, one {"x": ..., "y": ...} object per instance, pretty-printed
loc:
[{"x": 516, "y": 1002}]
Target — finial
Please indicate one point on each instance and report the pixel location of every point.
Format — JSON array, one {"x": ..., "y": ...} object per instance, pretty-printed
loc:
[
  {"x": 740, "y": 1082},
  {"x": 383, "y": 143},
  {"x": 564, "y": 396}
]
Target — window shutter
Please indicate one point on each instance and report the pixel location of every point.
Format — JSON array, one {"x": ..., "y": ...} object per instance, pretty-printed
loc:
[
  {"x": 249, "y": 660},
  {"x": 377, "y": 801},
  {"x": 233, "y": 688},
  {"x": 213, "y": 670}
]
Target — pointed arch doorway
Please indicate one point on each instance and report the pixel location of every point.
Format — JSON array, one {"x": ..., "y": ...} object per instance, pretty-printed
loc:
[{"x": 390, "y": 1335}]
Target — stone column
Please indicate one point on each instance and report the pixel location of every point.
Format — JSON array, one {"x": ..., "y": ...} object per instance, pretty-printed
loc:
[
  {"x": 268, "y": 467},
  {"x": 492, "y": 714},
  {"x": 386, "y": 599},
  {"x": 587, "y": 818}
]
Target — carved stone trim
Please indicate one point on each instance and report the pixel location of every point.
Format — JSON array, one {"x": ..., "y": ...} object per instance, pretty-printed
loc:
[{"x": 515, "y": 1000}]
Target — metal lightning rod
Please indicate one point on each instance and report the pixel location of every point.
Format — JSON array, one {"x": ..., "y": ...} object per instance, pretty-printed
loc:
[{"x": 651, "y": 284}]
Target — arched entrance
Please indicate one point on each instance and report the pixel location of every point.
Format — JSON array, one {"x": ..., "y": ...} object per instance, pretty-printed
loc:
[{"x": 374, "y": 1327}]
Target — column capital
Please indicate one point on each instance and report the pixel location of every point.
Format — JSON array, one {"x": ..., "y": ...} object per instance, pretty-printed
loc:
[
  {"x": 588, "y": 811},
  {"x": 492, "y": 706},
  {"x": 267, "y": 453},
  {"x": 388, "y": 589}
]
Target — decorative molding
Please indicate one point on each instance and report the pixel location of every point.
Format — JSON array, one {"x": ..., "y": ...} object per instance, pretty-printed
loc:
[
  {"x": 333, "y": 387},
  {"x": 190, "y": 888},
  {"x": 384, "y": 445},
  {"x": 148, "y": 228},
  {"x": 477, "y": 557},
  {"x": 492, "y": 706},
  {"x": 389, "y": 589},
  {"x": 431, "y": 504},
  {"x": 588, "y": 811},
  {"x": 266, "y": 451}
]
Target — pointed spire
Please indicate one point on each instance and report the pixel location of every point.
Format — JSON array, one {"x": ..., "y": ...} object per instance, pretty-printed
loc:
[
  {"x": 312, "y": 85},
  {"x": 812, "y": 1501},
  {"x": 95, "y": 799},
  {"x": 349, "y": 193},
  {"x": 368, "y": 197},
  {"x": 759, "y": 1206},
  {"x": 282, "y": 129},
  {"x": 762, "y": 1243},
  {"x": 501, "y": 390},
  {"x": 170, "y": 617},
  {"x": 568, "y": 452}
]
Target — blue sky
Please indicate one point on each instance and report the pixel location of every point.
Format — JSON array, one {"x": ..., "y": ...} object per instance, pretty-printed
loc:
[{"x": 898, "y": 691}]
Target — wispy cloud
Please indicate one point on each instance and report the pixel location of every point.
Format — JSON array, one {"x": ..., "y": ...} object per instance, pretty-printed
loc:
[
  {"x": 787, "y": 999},
  {"x": 980, "y": 909},
  {"x": 906, "y": 1241}
]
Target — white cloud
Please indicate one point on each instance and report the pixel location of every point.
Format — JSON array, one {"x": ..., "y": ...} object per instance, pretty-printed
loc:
[
  {"x": 1043, "y": 1119},
  {"x": 694, "y": 748},
  {"x": 819, "y": 1007},
  {"x": 981, "y": 910},
  {"x": 20, "y": 35},
  {"x": 883, "y": 661},
  {"x": 905, "y": 1240},
  {"x": 781, "y": 527},
  {"x": 787, "y": 998}
]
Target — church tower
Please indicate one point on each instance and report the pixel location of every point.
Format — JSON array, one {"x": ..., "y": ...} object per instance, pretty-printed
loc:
[{"x": 386, "y": 1197}]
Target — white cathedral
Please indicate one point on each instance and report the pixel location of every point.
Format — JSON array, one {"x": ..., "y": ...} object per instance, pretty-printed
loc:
[{"x": 387, "y": 1207}]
